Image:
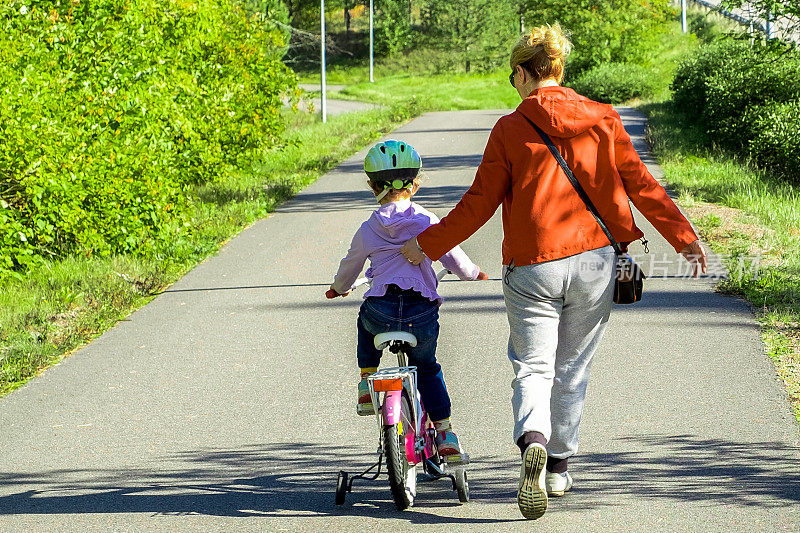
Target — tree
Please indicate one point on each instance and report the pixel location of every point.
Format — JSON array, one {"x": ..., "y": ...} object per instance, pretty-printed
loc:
[
  {"x": 602, "y": 31},
  {"x": 393, "y": 26},
  {"x": 481, "y": 31}
]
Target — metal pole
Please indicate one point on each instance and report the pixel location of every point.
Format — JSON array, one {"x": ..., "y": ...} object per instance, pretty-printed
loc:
[
  {"x": 322, "y": 60},
  {"x": 769, "y": 26},
  {"x": 683, "y": 17},
  {"x": 371, "y": 79}
]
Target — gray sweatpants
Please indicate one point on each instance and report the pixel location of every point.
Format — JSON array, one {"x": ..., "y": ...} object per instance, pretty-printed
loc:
[{"x": 557, "y": 313}]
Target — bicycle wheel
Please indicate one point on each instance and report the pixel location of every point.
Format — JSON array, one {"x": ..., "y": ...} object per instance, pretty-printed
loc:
[{"x": 402, "y": 476}]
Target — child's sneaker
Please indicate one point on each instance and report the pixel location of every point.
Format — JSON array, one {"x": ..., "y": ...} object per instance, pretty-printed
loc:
[
  {"x": 364, "y": 406},
  {"x": 447, "y": 443}
]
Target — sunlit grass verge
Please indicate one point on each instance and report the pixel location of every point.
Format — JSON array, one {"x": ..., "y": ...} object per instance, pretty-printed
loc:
[
  {"x": 67, "y": 303},
  {"x": 437, "y": 92},
  {"x": 748, "y": 216}
]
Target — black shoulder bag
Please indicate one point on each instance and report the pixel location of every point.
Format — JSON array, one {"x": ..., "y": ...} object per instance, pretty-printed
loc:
[{"x": 629, "y": 280}]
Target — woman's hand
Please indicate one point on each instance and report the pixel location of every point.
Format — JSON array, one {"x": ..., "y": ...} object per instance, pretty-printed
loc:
[
  {"x": 696, "y": 255},
  {"x": 412, "y": 252}
]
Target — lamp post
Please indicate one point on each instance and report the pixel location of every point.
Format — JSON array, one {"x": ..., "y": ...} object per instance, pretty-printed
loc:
[
  {"x": 371, "y": 79},
  {"x": 683, "y": 17},
  {"x": 322, "y": 61}
]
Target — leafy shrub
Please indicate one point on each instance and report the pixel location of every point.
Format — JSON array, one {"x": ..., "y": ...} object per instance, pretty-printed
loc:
[
  {"x": 774, "y": 138},
  {"x": 746, "y": 97},
  {"x": 690, "y": 84},
  {"x": 111, "y": 110},
  {"x": 752, "y": 79},
  {"x": 614, "y": 83}
]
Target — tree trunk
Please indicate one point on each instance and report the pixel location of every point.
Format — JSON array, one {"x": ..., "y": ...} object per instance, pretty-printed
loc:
[{"x": 346, "y": 19}]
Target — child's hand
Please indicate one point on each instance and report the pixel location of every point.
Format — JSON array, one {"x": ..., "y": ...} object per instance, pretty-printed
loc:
[
  {"x": 482, "y": 276},
  {"x": 331, "y": 293}
]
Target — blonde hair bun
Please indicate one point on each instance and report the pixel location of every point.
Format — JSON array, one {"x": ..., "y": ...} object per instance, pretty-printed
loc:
[
  {"x": 542, "y": 52},
  {"x": 552, "y": 40}
]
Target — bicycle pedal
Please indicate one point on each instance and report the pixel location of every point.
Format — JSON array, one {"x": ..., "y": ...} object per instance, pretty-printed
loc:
[{"x": 457, "y": 459}]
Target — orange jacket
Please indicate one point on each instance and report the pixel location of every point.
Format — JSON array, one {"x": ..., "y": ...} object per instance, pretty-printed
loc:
[{"x": 543, "y": 216}]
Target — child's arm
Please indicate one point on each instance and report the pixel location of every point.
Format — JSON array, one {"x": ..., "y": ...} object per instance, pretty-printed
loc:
[
  {"x": 457, "y": 262},
  {"x": 350, "y": 267}
]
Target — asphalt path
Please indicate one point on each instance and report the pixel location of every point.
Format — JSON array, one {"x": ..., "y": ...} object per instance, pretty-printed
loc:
[{"x": 228, "y": 402}]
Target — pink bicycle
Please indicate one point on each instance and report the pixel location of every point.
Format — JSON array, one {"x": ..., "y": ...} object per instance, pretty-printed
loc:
[{"x": 406, "y": 434}]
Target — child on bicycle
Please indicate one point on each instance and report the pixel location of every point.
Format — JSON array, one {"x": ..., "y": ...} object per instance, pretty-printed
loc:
[{"x": 403, "y": 296}]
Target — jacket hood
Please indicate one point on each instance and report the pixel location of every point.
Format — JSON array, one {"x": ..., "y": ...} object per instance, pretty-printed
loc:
[
  {"x": 561, "y": 112},
  {"x": 397, "y": 219}
]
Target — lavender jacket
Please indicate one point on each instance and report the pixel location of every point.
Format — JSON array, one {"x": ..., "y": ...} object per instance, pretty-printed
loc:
[{"x": 380, "y": 239}]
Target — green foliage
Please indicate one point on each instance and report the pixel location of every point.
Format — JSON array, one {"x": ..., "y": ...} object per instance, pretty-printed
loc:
[
  {"x": 614, "y": 83},
  {"x": 112, "y": 109},
  {"x": 480, "y": 32},
  {"x": 393, "y": 27},
  {"x": 623, "y": 31},
  {"x": 787, "y": 10},
  {"x": 690, "y": 84},
  {"x": 774, "y": 137},
  {"x": 745, "y": 96}
]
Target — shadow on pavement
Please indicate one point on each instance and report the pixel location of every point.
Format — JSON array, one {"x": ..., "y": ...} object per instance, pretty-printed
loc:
[
  {"x": 285, "y": 480},
  {"x": 279, "y": 480},
  {"x": 481, "y": 303},
  {"x": 689, "y": 468},
  {"x": 429, "y": 197}
]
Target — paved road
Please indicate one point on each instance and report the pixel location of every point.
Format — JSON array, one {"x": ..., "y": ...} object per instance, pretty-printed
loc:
[{"x": 226, "y": 404}]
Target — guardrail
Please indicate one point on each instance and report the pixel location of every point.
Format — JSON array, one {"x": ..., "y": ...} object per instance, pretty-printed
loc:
[
  {"x": 752, "y": 24},
  {"x": 785, "y": 28}
]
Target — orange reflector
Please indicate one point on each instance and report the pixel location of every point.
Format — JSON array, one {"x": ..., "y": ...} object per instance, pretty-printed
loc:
[{"x": 383, "y": 385}]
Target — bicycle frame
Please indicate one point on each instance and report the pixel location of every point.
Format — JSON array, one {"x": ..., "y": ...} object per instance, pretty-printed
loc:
[{"x": 394, "y": 382}]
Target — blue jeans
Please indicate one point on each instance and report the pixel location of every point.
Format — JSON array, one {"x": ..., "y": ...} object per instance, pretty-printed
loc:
[{"x": 406, "y": 310}]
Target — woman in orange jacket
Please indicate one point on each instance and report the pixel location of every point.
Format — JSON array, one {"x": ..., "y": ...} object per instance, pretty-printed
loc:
[{"x": 558, "y": 266}]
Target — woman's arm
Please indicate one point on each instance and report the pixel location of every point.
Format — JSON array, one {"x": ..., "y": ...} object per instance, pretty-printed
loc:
[
  {"x": 476, "y": 207},
  {"x": 647, "y": 194},
  {"x": 652, "y": 200}
]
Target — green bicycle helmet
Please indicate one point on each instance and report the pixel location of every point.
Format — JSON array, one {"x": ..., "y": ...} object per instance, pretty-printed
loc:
[{"x": 392, "y": 163}]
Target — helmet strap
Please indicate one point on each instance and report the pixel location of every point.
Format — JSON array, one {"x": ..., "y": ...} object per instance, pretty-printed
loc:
[{"x": 383, "y": 194}]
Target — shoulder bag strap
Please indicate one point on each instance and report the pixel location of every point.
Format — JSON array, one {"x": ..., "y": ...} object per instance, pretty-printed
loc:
[{"x": 578, "y": 188}]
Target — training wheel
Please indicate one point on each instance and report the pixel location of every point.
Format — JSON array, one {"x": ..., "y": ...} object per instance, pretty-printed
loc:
[
  {"x": 461, "y": 484},
  {"x": 341, "y": 487}
]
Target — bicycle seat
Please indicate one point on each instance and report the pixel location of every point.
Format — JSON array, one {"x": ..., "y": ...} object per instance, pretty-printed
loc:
[{"x": 382, "y": 340}]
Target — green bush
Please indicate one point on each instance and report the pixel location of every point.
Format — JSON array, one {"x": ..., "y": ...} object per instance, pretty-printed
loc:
[
  {"x": 774, "y": 139},
  {"x": 690, "y": 84},
  {"x": 746, "y": 98},
  {"x": 614, "y": 83},
  {"x": 112, "y": 110},
  {"x": 752, "y": 79}
]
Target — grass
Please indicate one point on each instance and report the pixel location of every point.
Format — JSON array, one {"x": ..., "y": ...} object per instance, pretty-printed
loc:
[{"x": 67, "y": 303}]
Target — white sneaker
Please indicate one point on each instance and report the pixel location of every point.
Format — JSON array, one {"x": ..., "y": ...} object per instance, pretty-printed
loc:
[
  {"x": 557, "y": 484},
  {"x": 532, "y": 495}
]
